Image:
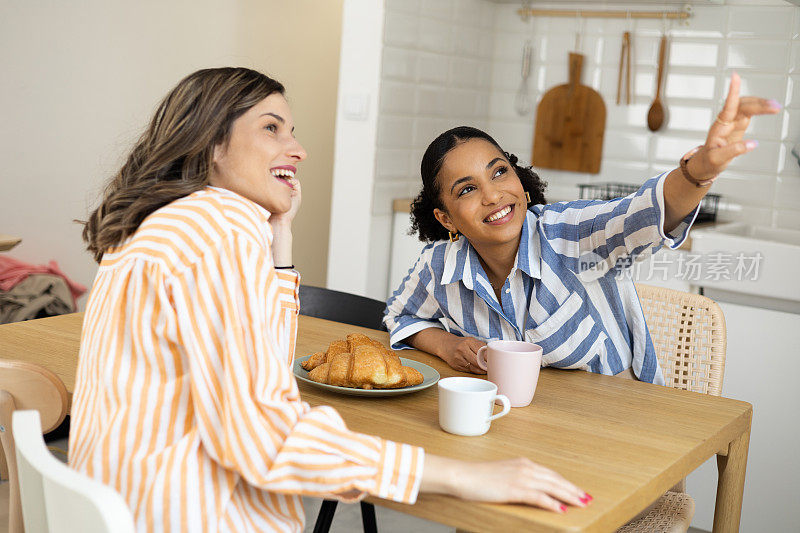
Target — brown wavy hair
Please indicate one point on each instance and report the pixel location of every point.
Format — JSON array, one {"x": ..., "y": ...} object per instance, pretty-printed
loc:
[{"x": 173, "y": 157}]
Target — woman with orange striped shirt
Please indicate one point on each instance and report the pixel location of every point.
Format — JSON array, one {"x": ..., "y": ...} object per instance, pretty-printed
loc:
[{"x": 184, "y": 400}]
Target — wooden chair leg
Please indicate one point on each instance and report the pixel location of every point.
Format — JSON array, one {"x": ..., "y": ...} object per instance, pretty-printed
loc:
[
  {"x": 368, "y": 518},
  {"x": 9, "y": 450},
  {"x": 3, "y": 465},
  {"x": 325, "y": 516}
]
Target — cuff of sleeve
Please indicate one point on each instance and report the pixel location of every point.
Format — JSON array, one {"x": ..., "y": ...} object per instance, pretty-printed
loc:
[
  {"x": 674, "y": 238},
  {"x": 406, "y": 328},
  {"x": 289, "y": 289},
  {"x": 400, "y": 472}
]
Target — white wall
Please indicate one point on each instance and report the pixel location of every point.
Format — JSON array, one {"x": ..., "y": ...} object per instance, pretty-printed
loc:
[
  {"x": 354, "y": 156},
  {"x": 75, "y": 92},
  {"x": 80, "y": 80}
]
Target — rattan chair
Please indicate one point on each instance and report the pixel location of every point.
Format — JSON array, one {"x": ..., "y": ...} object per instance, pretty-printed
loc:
[{"x": 688, "y": 331}]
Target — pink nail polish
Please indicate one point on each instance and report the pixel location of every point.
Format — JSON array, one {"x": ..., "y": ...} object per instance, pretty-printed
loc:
[
  {"x": 751, "y": 144},
  {"x": 563, "y": 508},
  {"x": 774, "y": 104}
]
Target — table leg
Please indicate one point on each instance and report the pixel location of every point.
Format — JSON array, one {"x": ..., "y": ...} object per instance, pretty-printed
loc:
[{"x": 730, "y": 486}]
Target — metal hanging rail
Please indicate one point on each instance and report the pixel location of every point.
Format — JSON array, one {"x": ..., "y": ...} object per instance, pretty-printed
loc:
[{"x": 526, "y": 12}]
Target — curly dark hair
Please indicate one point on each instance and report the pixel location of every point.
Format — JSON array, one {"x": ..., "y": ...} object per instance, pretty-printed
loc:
[{"x": 422, "y": 220}]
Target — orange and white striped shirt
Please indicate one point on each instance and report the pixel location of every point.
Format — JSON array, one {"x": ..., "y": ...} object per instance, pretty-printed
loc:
[{"x": 185, "y": 401}]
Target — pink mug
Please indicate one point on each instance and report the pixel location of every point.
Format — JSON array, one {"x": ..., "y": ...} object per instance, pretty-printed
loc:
[{"x": 514, "y": 367}]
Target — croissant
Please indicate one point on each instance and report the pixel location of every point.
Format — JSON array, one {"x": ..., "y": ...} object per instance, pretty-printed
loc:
[
  {"x": 357, "y": 339},
  {"x": 367, "y": 367},
  {"x": 341, "y": 346}
]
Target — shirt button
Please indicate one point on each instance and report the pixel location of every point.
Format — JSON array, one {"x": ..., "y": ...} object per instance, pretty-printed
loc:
[{"x": 508, "y": 290}]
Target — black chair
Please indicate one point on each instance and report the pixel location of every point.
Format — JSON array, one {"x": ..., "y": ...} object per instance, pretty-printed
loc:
[
  {"x": 341, "y": 307},
  {"x": 357, "y": 311}
]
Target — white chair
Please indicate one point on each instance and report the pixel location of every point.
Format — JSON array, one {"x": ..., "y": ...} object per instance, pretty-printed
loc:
[{"x": 57, "y": 499}]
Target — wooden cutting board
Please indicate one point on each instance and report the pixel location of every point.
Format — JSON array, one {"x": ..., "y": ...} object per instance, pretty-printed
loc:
[{"x": 570, "y": 122}]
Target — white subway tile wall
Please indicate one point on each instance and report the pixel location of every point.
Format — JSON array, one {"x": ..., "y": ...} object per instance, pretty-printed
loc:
[
  {"x": 453, "y": 62},
  {"x": 437, "y": 70},
  {"x": 760, "y": 40}
]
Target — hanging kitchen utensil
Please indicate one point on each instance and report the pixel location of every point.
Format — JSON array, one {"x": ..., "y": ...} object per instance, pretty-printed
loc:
[
  {"x": 570, "y": 122},
  {"x": 625, "y": 69},
  {"x": 522, "y": 103},
  {"x": 657, "y": 113}
]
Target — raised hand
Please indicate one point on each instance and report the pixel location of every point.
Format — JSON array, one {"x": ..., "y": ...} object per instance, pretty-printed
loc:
[{"x": 725, "y": 140}]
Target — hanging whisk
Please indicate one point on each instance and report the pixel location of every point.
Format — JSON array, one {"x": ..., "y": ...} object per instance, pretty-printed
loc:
[{"x": 522, "y": 103}]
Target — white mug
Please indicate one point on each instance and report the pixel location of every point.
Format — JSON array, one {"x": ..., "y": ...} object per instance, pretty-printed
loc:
[{"x": 466, "y": 405}]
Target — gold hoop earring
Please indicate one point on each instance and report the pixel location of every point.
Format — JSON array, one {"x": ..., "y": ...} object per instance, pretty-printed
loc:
[
  {"x": 528, "y": 196},
  {"x": 453, "y": 236}
]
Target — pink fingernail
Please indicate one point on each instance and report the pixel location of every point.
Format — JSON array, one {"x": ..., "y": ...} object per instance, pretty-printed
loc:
[
  {"x": 774, "y": 104},
  {"x": 750, "y": 145},
  {"x": 563, "y": 508}
]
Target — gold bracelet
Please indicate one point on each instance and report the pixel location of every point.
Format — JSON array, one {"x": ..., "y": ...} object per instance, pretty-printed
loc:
[{"x": 685, "y": 171}]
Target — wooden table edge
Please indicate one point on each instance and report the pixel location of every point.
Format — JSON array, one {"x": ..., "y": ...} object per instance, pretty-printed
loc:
[
  {"x": 717, "y": 445},
  {"x": 631, "y": 507}
]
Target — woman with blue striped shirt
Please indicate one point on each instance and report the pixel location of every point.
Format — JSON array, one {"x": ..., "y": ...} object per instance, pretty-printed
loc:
[{"x": 503, "y": 264}]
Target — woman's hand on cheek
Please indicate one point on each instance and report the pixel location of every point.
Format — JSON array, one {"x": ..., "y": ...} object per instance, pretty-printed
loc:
[
  {"x": 282, "y": 229},
  {"x": 284, "y": 220},
  {"x": 462, "y": 354}
]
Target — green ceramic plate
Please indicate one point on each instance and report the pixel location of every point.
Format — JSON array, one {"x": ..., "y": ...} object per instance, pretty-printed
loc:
[{"x": 429, "y": 377}]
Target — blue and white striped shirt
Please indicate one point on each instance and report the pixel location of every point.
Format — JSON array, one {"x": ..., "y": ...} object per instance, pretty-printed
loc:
[{"x": 567, "y": 290}]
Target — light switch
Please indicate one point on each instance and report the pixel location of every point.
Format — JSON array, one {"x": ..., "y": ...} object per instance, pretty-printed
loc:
[{"x": 356, "y": 106}]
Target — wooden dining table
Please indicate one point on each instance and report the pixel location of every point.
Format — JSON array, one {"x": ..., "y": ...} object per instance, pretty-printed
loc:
[{"x": 625, "y": 442}]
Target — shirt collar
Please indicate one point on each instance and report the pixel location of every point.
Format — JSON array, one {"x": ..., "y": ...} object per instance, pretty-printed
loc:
[{"x": 461, "y": 259}]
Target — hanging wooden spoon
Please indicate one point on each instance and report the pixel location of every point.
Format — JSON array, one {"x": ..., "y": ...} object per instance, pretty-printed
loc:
[{"x": 655, "y": 117}]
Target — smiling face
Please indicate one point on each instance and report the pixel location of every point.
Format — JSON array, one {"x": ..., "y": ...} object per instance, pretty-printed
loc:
[
  {"x": 260, "y": 156},
  {"x": 481, "y": 194}
]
